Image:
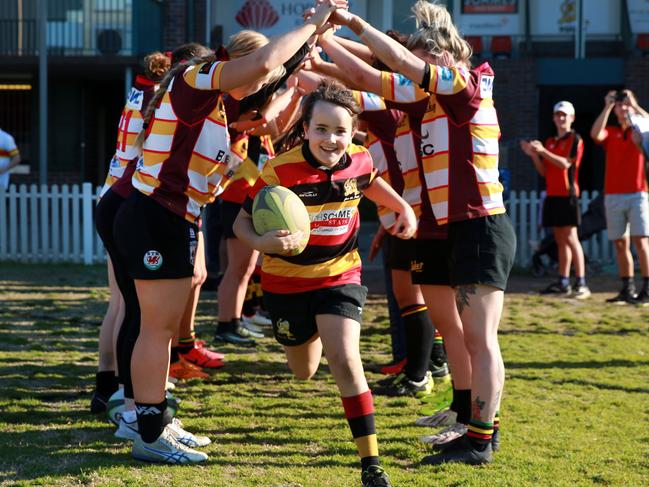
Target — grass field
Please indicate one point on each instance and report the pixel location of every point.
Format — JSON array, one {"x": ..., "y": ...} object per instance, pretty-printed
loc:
[{"x": 575, "y": 411}]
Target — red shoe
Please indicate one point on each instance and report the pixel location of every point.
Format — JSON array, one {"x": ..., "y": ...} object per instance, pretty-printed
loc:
[
  {"x": 202, "y": 357},
  {"x": 184, "y": 370},
  {"x": 217, "y": 355},
  {"x": 394, "y": 369}
]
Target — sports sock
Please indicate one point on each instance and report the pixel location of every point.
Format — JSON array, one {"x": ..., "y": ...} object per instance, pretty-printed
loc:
[
  {"x": 359, "y": 411},
  {"x": 150, "y": 419},
  {"x": 564, "y": 281},
  {"x": 628, "y": 284},
  {"x": 581, "y": 281},
  {"x": 497, "y": 421},
  {"x": 419, "y": 340},
  {"x": 186, "y": 344},
  {"x": 175, "y": 355},
  {"x": 223, "y": 327},
  {"x": 645, "y": 284},
  {"x": 438, "y": 354},
  {"x": 250, "y": 300},
  {"x": 480, "y": 433},
  {"x": 106, "y": 383},
  {"x": 462, "y": 403}
]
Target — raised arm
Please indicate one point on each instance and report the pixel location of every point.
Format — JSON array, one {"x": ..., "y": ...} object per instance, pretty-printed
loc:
[
  {"x": 383, "y": 46},
  {"x": 356, "y": 48},
  {"x": 362, "y": 75},
  {"x": 598, "y": 130},
  {"x": 261, "y": 62}
]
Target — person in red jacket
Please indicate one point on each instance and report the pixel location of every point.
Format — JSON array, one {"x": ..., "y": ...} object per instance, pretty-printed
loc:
[
  {"x": 625, "y": 190},
  {"x": 558, "y": 161}
]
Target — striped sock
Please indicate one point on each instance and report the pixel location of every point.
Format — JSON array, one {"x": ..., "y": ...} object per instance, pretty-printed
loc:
[
  {"x": 185, "y": 344},
  {"x": 174, "y": 356},
  {"x": 497, "y": 421},
  {"x": 419, "y": 340},
  {"x": 480, "y": 434},
  {"x": 359, "y": 411}
]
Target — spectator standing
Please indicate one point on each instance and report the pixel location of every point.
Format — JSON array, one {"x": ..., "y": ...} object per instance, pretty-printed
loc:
[
  {"x": 625, "y": 190},
  {"x": 9, "y": 157},
  {"x": 558, "y": 160}
]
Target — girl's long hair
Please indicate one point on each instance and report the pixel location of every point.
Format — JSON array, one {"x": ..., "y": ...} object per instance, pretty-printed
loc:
[
  {"x": 331, "y": 92},
  {"x": 437, "y": 34}
]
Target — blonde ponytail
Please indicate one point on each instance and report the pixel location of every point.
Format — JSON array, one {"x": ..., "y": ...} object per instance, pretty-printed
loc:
[{"x": 436, "y": 33}]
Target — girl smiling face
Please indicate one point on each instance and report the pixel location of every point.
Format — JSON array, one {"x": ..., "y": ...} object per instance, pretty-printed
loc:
[{"x": 329, "y": 132}]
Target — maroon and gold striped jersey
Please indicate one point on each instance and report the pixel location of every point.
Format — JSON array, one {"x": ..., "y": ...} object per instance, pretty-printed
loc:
[
  {"x": 187, "y": 148},
  {"x": 331, "y": 197}
]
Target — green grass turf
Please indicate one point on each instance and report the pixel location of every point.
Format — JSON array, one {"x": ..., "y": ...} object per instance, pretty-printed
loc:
[{"x": 575, "y": 410}]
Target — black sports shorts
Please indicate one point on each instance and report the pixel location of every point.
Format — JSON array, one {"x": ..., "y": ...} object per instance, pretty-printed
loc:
[
  {"x": 229, "y": 212},
  {"x": 482, "y": 251},
  {"x": 400, "y": 253},
  {"x": 293, "y": 315},
  {"x": 154, "y": 242},
  {"x": 430, "y": 265},
  {"x": 561, "y": 211}
]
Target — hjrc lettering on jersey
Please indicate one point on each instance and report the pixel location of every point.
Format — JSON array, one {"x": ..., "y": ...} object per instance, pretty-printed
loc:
[
  {"x": 486, "y": 86},
  {"x": 134, "y": 100},
  {"x": 152, "y": 260}
]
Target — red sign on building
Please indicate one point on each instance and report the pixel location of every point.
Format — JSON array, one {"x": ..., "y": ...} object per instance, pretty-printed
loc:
[{"x": 489, "y": 6}]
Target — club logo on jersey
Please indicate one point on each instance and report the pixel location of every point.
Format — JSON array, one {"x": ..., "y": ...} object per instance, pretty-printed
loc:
[
  {"x": 114, "y": 162},
  {"x": 135, "y": 98},
  {"x": 351, "y": 189},
  {"x": 139, "y": 164},
  {"x": 153, "y": 260},
  {"x": 416, "y": 266},
  {"x": 283, "y": 330},
  {"x": 445, "y": 73},
  {"x": 486, "y": 86}
]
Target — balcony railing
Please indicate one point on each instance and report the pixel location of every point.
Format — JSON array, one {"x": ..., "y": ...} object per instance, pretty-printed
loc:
[{"x": 80, "y": 27}]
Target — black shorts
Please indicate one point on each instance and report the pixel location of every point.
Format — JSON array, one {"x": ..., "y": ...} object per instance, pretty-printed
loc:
[
  {"x": 105, "y": 212},
  {"x": 154, "y": 242},
  {"x": 482, "y": 251},
  {"x": 430, "y": 265},
  {"x": 293, "y": 315},
  {"x": 561, "y": 211},
  {"x": 400, "y": 253},
  {"x": 229, "y": 212}
]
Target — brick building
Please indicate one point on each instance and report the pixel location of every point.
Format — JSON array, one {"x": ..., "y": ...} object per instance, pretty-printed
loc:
[{"x": 534, "y": 71}]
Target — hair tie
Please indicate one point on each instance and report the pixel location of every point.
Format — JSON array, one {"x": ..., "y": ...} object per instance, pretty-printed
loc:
[
  {"x": 169, "y": 54},
  {"x": 222, "y": 53}
]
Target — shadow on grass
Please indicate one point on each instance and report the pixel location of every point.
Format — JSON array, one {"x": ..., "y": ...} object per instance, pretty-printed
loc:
[
  {"x": 581, "y": 382},
  {"x": 588, "y": 364}
]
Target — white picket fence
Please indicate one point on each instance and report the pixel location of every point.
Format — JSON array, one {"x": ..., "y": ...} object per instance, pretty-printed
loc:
[
  {"x": 56, "y": 224},
  {"x": 49, "y": 224}
]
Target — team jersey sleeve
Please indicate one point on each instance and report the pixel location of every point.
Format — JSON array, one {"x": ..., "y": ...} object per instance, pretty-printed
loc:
[
  {"x": 205, "y": 76},
  {"x": 397, "y": 88},
  {"x": 443, "y": 80},
  {"x": 369, "y": 102},
  {"x": 8, "y": 146},
  {"x": 267, "y": 177}
]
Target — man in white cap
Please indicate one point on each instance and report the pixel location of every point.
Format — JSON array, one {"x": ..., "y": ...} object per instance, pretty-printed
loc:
[
  {"x": 625, "y": 191},
  {"x": 558, "y": 161}
]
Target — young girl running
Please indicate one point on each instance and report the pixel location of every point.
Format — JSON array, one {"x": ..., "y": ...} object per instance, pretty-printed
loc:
[
  {"x": 462, "y": 186},
  {"x": 185, "y": 156},
  {"x": 315, "y": 299}
]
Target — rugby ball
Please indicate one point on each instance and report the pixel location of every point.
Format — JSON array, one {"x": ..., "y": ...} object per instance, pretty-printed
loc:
[
  {"x": 115, "y": 406},
  {"x": 279, "y": 208}
]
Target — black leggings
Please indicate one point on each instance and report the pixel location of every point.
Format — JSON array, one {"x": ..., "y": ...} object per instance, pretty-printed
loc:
[{"x": 128, "y": 333}]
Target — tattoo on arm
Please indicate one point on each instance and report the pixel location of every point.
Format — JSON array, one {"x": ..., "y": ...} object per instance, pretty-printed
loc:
[{"x": 462, "y": 294}]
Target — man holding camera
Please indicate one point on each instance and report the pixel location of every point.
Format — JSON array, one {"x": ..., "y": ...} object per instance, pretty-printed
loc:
[{"x": 625, "y": 191}]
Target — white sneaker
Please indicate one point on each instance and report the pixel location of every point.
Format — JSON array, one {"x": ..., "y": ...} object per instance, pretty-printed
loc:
[
  {"x": 446, "y": 417},
  {"x": 449, "y": 434},
  {"x": 166, "y": 449},
  {"x": 259, "y": 319},
  {"x": 244, "y": 331},
  {"x": 185, "y": 437},
  {"x": 127, "y": 430},
  {"x": 251, "y": 326}
]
